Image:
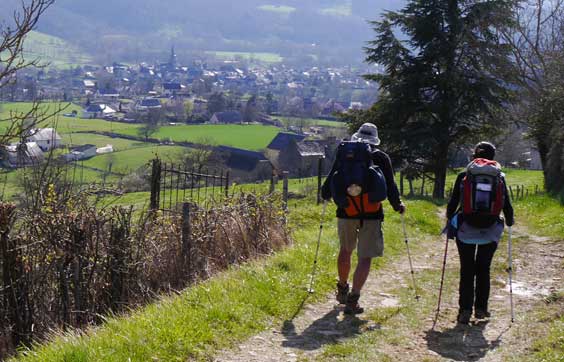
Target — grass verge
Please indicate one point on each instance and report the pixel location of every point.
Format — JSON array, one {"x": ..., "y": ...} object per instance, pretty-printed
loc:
[{"x": 234, "y": 305}]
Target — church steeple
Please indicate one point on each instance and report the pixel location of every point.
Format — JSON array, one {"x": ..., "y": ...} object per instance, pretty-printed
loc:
[{"x": 172, "y": 60}]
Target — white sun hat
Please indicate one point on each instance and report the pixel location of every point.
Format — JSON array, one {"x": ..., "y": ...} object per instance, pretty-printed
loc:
[{"x": 368, "y": 133}]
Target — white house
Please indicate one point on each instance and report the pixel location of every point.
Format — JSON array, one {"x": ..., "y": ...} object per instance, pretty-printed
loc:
[
  {"x": 46, "y": 138},
  {"x": 81, "y": 153},
  {"x": 97, "y": 111}
]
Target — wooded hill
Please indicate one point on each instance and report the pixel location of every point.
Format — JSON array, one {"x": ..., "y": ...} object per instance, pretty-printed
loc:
[{"x": 331, "y": 30}]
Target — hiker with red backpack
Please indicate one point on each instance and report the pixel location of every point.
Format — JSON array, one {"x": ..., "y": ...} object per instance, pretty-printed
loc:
[
  {"x": 360, "y": 179},
  {"x": 473, "y": 212}
]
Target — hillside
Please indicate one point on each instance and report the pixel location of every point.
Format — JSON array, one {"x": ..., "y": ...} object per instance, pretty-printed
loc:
[{"x": 330, "y": 30}]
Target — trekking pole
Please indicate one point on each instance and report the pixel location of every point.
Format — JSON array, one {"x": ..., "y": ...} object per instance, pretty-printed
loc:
[
  {"x": 442, "y": 281},
  {"x": 409, "y": 256},
  {"x": 310, "y": 290},
  {"x": 510, "y": 271}
]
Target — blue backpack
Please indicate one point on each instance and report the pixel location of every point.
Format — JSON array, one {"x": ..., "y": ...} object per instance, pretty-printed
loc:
[{"x": 357, "y": 185}]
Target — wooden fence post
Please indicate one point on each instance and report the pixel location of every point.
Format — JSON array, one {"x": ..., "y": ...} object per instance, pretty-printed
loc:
[
  {"x": 285, "y": 175},
  {"x": 511, "y": 192},
  {"x": 319, "y": 176},
  {"x": 271, "y": 188},
  {"x": 155, "y": 184},
  {"x": 186, "y": 241},
  {"x": 227, "y": 184}
]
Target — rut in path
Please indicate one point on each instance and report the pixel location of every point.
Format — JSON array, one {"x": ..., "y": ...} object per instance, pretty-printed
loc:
[{"x": 317, "y": 325}]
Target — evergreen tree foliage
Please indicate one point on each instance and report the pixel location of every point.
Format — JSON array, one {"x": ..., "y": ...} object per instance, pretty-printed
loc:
[{"x": 446, "y": 74}]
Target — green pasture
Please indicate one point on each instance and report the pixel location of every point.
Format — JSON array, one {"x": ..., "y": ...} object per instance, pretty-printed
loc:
[
  {"x": 250, "y": 137},
  {"x": 307, "y": 122},
  {"x": 58, "y": 121},
  {"x": 54, "y": 51},
  {"x": 45, "y": 107},
  {"x": 127, "y": 161},
  {"x": 119, "y": 144}
]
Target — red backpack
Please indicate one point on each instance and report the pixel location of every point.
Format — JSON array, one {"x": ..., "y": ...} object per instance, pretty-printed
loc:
[{"x": 483, "y": 193}]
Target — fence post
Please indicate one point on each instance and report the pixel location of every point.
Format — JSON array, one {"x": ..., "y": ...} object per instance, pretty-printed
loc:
[
  {"x": 285, "y": 189},
  {"x": 271, "y": 188},
  {"x": 319, "y": 176},
  {"x": 511, "y": 192},
  {"x": 186, "y": 242},
  {"x": 227, "y": 184},
  {"x": 155, "y": 184}
]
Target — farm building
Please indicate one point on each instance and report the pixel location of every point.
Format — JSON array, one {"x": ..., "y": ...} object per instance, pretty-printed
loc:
[
  {"x": 148, "y": 103},
  {"x": 23, "y": 154},
  {"x": 81, "y": 153},
  {"x": 172, "y": 88},
  {"x": 46, "y": 138},
  {"x": 282, "y": 140},
  {"x": 301, "y": 158},
  {"x": 105, "y": 149},
  {"x": 97, "y": 111},
  {"x": 107, "y": 93}
]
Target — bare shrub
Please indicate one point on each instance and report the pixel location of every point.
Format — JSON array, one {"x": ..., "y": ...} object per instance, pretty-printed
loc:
[{"x": 66, "y": 263}]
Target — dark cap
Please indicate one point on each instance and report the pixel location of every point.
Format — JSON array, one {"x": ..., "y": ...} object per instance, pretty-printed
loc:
[{"x": 484, "y": 150}]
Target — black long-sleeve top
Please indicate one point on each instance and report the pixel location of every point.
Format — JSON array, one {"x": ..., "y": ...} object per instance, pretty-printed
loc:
[
  {"x": 454, "y": 201},
  {"x": 382, "y": 160}
]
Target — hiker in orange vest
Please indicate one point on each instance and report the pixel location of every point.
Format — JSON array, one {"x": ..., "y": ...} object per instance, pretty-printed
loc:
[
  {"x": 360, "y": 179},
  {"x": 479, "y": 195}
]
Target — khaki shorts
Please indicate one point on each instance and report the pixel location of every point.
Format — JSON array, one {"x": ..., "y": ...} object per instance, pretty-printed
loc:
[{"x": 369, "y": 237}]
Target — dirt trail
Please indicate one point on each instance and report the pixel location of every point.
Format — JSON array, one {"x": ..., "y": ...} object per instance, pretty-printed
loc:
[{"x": 538, "y": 269}]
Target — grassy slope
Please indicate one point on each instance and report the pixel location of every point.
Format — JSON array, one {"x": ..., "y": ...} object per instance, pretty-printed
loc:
[
  {"x": 232, "y": 306},
  {"x": 130, "y": 160},
  {"x": 54, "y": 51},
  {"x": 220, "y": 312},
  {"x": 294, "y": 121},
  {"x": 251, "y": 137}
]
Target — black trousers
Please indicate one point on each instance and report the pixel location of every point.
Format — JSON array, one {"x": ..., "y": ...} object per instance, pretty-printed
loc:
[{"x": 475, "y": 262}]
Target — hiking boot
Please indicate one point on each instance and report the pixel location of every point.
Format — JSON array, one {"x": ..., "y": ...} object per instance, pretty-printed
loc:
[
  {"x": 464, "y": 316},
  {"x": 342, "y": 292},
  {"x": 352, "y": 307},
  {"x": 481, "y": 314}
]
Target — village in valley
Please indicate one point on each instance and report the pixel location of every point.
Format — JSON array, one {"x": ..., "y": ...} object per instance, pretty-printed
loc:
[
  {"x": 299, "y": 108},
  {"x": 285, "y": 118}
]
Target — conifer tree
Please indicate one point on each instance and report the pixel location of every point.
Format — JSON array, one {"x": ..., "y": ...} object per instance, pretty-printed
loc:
[{"x": 445, "y": 75}]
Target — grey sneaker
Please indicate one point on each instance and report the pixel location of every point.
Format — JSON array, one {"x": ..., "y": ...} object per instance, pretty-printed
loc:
[
  {"x": 342, "y": 292},
  {"x": 352, "y": 307},
  {"x": 464, "y": 316}
]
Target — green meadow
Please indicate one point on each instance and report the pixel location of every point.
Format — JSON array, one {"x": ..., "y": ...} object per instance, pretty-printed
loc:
[
  {"x": 129, "y": 160},
  {"x": 250, "y": 137},
  {"x": 307, "y": 122}
]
